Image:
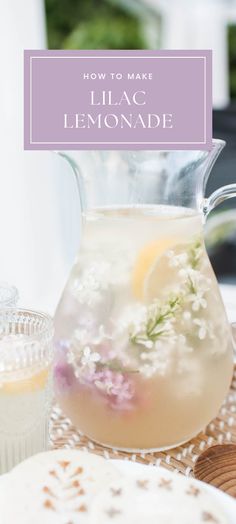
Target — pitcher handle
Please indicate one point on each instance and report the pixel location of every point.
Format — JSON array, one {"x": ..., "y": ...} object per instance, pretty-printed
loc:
[{"x": 217, "y": 197}]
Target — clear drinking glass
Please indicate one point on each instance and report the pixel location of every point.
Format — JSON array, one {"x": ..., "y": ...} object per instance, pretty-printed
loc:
[
  {"x": 26, "y": 354},
  {"x": 143, "y": 346},
  {"x": 8, "y": 295}
]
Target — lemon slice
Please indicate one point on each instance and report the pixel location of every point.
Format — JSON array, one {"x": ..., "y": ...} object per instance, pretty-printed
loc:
[
  {"x": 28, "y": 385},
  {"x": 151, "y": 271}
]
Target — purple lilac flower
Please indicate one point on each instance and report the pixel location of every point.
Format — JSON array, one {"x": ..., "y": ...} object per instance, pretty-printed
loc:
[
  {"x": 116, "y": 388},
  {"x": 64, "y": 378}
]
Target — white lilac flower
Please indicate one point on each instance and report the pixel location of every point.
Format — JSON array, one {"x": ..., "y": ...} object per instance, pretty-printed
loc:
[
  {"x": 104, "y": 386},
  {"x": 177, "y": 260},
  {"x": 157, "y": 361},
  {"x": 199, "y": 281},
  {"x": 71, "y": 357},
  {"x": 133, "y": 318},
  {"x": 211, "y": 331},
  {"x": 180, "y": 260},
  {"x": 204, "y": 328},
  {"x": 83, "y": 360},
  {"x": 167, "y": 327},
  {"x": 163, "y": 330},
  {"x": 144, "y": 356},
  {"x": 93, "y": 281},
  {"x": 147, "y": 344},
  {"x": 147, "y": 370},
  {"x": 87, "y": 293},
  {"x": 187, "y": 315},
  {"x": 101, "y": 337},
  {"x": 187, "y": 273},
  {"x": 198, "y": 301},
  {"x": 153, "y": 308},
  {"x": 89, "y": 357},
  {"x": 99, "y": 276},
  {"x": 158, "y": 367},
  {"x": 116, "y": 385},
  {"x": 149, "y": 356},
  {"x": 83, "y": 337}
]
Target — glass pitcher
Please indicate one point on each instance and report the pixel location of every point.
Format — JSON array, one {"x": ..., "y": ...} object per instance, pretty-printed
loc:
[{"x": 144, "y": 350}]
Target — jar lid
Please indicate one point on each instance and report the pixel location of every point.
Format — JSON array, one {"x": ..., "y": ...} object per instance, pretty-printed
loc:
[{"x": 8, "y": 295}]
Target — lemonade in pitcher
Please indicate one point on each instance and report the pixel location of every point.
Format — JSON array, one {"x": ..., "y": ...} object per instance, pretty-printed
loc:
[{"x": 144, "y": 356}]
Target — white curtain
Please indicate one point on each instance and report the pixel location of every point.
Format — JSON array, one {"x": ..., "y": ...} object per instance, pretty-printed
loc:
[{"x": 38, "y": 208}]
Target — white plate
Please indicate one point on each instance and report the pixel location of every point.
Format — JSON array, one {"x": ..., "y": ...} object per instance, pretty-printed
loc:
[
  {"x": 228, "y": 503},
  {"x": 126, "y": 466}
]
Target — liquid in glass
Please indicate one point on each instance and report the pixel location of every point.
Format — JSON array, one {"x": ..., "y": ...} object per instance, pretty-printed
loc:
[{"x": 144, "y": 355}]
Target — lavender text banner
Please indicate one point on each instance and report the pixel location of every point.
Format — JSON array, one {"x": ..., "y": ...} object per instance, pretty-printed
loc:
[{"x": 118, "y": 100}]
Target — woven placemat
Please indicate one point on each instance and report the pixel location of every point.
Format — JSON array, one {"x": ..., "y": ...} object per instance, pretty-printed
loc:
[{"x": 221, "y": 430}]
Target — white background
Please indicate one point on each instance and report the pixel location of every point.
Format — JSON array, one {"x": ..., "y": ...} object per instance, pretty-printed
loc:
[{"x": 38, "y": 208}]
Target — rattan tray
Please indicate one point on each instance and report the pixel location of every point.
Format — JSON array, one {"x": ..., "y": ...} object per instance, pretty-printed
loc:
[{"x": 221, "y": 430}]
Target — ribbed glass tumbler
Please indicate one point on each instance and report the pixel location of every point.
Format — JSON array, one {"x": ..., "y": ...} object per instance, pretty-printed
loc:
[{"x": 26, "y": 356}]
